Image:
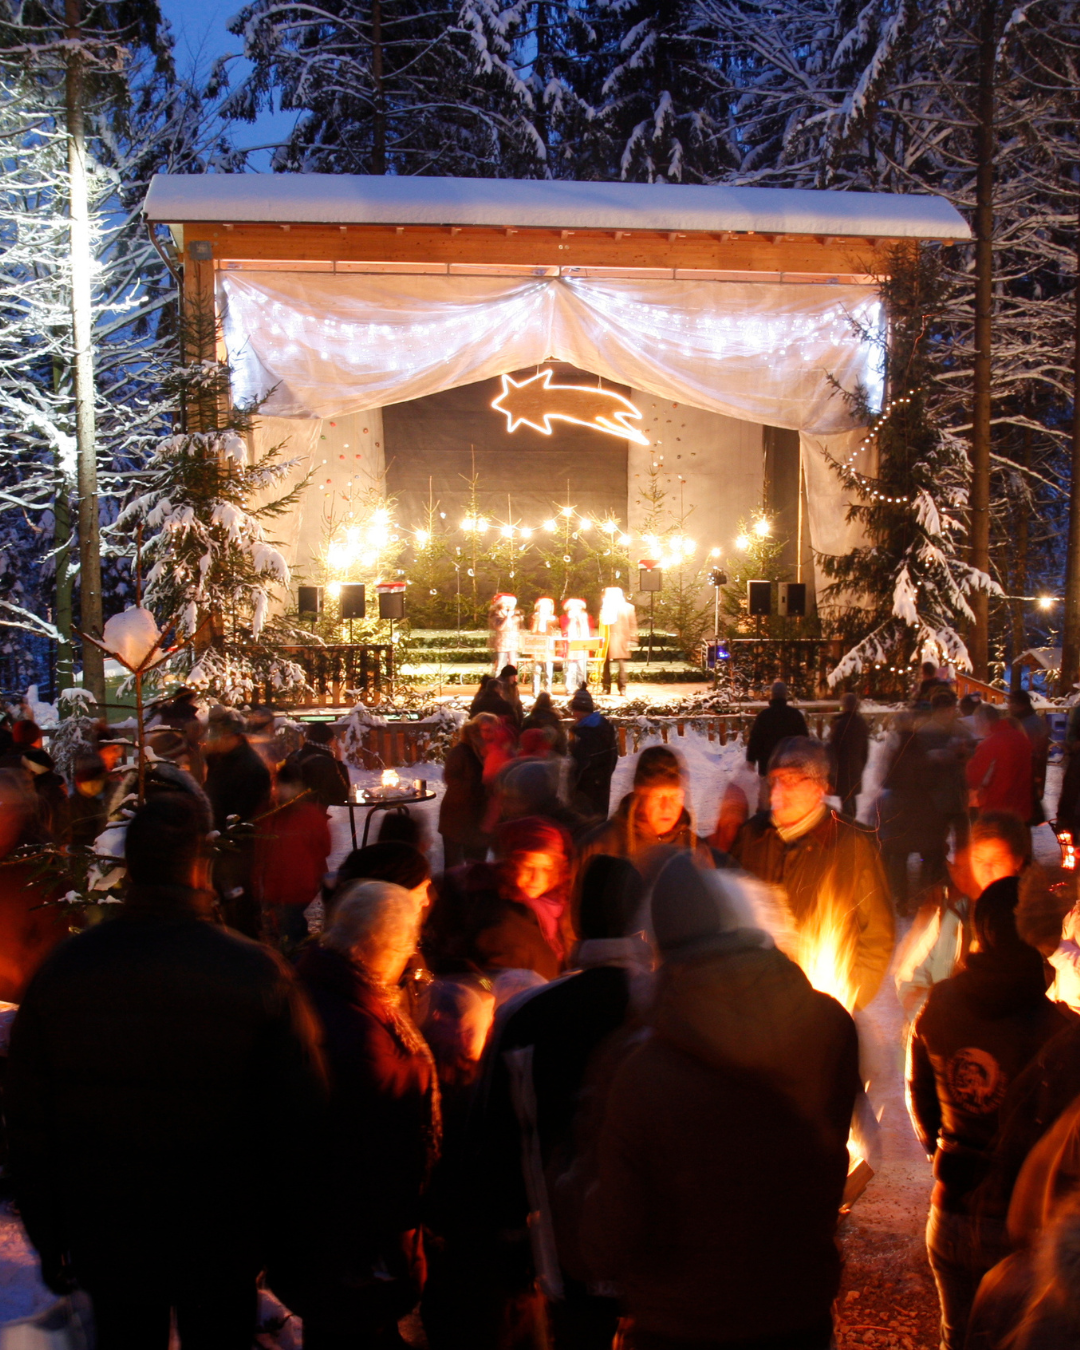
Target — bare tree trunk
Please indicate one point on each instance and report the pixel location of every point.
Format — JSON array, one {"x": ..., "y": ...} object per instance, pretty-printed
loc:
[
  {"x": 1070, "y": 641},
  {"x": 378, "y": 149},
  {"x": 91, "y": 615},
  {"x": 63, "y": 610},
  {"x": 1020, "y": 571},
  {"x": 979, "y": 645}
]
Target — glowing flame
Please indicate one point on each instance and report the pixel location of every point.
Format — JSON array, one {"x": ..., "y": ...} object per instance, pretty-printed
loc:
[
  {"x": 825, "y": 949},
  {"x": 390, "y": 778}
]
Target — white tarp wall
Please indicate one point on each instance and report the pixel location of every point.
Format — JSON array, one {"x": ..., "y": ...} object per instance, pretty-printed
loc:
[{"x": 316, "y": 349}]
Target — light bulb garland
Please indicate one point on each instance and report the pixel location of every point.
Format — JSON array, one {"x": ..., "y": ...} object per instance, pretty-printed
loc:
[{"x": 865, "y": 444}]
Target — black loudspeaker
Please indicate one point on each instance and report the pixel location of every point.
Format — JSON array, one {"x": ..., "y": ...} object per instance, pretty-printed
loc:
[
  {"x": 650, "y": 579},
  {"x": 759, "y": 597},
  {"x": 392, "y": 604},
  {"x": 792, "y": 599},
  {"x": 353, "y": 603},
  {"x": 308, "y": 600}
]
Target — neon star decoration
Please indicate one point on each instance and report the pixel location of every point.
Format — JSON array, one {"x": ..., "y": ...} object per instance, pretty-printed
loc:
[{"x": 537, "y": 402}]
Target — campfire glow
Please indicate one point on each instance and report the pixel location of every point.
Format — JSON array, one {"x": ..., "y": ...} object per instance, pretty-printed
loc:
[{"x": 825, "y": 949}]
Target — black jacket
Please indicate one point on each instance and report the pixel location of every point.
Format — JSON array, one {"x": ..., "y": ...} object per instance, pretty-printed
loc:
[
  {"x": 384, "y": 1109},
  {"x": 771, "y": 726},
  {"x": 461, "y": 811},
  {"x": 849, "y": 749},
  {"x": 325, "y": 777},
  {"x": 564, "y": 1023},
  {"x": 160, "y": 1070},
  {"x": 722, "y": 1156},
  {"x": 594, "y": 753},
  {"x": 237, "y": 783},
  {"x": 975, "y": 1034}
]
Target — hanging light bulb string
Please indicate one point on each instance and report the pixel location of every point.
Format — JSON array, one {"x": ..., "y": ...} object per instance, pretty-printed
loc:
[{"x": 863, "y": 479}]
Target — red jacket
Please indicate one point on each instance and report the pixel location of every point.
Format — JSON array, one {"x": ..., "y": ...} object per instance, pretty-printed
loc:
[
  {"x": 1000, "y": 771},
  {"x": 291, "y": 850}
]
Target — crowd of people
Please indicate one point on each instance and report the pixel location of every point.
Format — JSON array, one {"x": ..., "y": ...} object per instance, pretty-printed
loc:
[{"x": 573, "y": 1085}]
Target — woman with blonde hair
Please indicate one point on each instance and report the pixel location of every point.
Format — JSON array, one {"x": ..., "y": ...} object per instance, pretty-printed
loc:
[{"x": 384, "y": 1124}]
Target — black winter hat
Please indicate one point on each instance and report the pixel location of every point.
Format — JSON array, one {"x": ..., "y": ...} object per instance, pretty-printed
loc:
[
  {"x": 685, "y": 911},
  {"x": 611, "y": 894}
]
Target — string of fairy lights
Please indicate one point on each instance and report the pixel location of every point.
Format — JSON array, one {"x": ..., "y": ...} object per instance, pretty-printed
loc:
[
  {"x": 863, "y": 479},
  {"x": 364, "y": 544}
]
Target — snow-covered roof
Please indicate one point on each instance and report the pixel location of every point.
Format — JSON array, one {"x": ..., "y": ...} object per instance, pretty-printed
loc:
[
  {"x": 1041, "y": 658},
  {"x": 362, "y": 199}
]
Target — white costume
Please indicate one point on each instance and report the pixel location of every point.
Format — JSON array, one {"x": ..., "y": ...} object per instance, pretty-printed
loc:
[
  {"x": 575, "y": 625},
  {"x": 544, "y": 624},
  {"x": 619, "y": 617},
  {"x": 504, "y": 623}
]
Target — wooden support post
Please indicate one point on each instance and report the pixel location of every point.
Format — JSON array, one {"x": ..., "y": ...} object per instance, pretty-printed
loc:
[
  {"x": 622, "y": 742},
  {"x": 723, "y": 731},
  {"x": 680, "y": 727}
]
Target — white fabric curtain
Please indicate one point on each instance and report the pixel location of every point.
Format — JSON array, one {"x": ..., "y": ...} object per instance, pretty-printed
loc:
[
  {"x": 311, "y": 345},
  {"x": 827, "y": 500}
]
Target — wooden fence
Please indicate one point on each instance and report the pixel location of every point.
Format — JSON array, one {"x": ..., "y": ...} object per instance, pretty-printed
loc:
[{"x": 403, "y": 743}]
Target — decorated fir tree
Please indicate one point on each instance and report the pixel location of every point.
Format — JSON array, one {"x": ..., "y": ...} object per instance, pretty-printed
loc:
[{"x": 906, "y": 591}]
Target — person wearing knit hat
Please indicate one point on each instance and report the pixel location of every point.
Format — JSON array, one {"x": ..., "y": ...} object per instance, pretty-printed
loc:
[
  {"x": 653, "y": 814},
  {"x": 976, "y": 1033},
  {"x": 554, "y": 1034},
  {"x": 721, "y": 1159},
  {"x": 772, "y": 725},
  {"x": 89, "y": 802},
  {"x": 594, "y": 753},
  {"x": 828, "y": 868}
]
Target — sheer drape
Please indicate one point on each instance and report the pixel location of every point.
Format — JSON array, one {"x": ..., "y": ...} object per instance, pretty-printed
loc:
[{"x": 310, "y": 345}]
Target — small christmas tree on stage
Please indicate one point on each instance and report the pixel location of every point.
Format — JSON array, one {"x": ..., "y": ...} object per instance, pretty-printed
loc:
[{"x": 908, "y": 586}]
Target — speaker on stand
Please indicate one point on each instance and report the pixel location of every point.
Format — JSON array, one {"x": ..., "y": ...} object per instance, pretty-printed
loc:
[{"x": 650, "y": 580}]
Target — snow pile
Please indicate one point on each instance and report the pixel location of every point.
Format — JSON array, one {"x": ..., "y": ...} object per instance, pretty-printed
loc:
[{"x": 132, "y": 636}]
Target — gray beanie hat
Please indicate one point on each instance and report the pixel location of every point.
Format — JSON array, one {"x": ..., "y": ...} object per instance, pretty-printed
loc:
[
  {"x": 583, "y": 701},
  {"x": 697, "y": 912},
  {"x": 801, "y": 752}
]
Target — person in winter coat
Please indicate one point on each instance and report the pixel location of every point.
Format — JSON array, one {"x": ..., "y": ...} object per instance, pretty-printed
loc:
[
  {"x": 29, "y": 927},
  {"x": 181, "y": 1060},
  {"x": 594, "y": 753},
  {"x": 619, "y": 617},
  {"x": 536, "y": 862},
  {"x": 1022, "y": 710},
  {"x": 384, "y": 1130},
  {"x": 292, "y": 845},
  {"x": 722, "y": 1156},
  {"x": 576, "y": 626},
  {"x": 324, "y": 775},
  {"x": 238, "y": 785},
  {"x": 54, "y": 809},
  {"x": 976, "y": 1033},
  {"x": 651, "y": 815},
  {"x": 999, "y": 773},
  {"x": 827, "y": 868},
  {"x": 907, "y": 820},
  {"x": 476, "y": 926},
  {"x": 528, "y": 787},
  {"x": 88, "y": 806},
  {"x": 461, "y": 811},
  {"x": 544, "y": 1050},
  {"x": 849, "y": 748},
  {"x": 947, "y": 746},
  {"x": 771, "y": 726},
  {"x": 542, "y": 715}
]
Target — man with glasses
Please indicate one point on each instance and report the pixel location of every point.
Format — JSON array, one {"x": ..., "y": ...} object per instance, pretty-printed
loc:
[{"x": 827, "y": 867}]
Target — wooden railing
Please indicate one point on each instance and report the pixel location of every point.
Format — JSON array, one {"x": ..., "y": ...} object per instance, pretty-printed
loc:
[{"x": 342, "y": 672}]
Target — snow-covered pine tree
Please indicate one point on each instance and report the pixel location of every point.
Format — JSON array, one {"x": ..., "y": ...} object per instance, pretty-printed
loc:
[
  {"x": 386, "y": 86},
  {"x": 906, "y": 592},
  {"x": 664, "y": 98},
  {"x": 139, "y": 119},
  {"x": 203, "y": 509}
]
